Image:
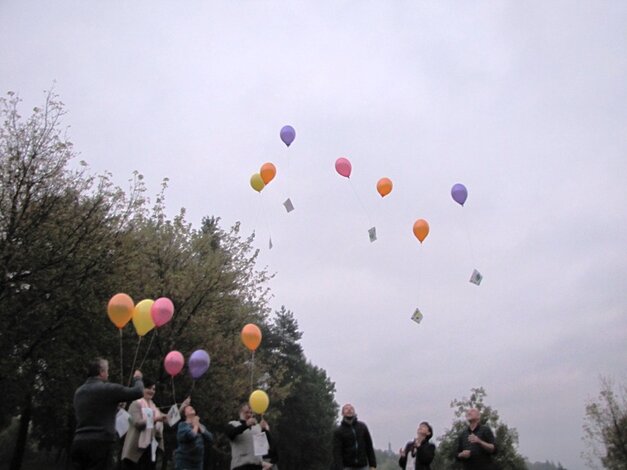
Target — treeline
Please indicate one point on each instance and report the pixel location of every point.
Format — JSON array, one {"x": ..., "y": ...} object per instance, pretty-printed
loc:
[{"x": 69, "y": 240}]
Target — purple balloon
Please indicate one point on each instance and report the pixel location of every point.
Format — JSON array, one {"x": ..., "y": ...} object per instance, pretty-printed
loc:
[
  {"x": 288, "y": 134},
  {"x": 459, "y": 193},
  {"x": 198, "y": 363}
]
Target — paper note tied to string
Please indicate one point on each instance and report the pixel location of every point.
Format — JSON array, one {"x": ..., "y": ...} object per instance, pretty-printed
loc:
[
  {"x": 476, "y": 277},
  {"x": 289, "y": 207},
  {"x": 121, "y": 422},
  {"x": 260, "y": 444},
  {"x": 372, "y": 233},
  {"x": 417, "y": 316},
  {"x": 174, "y": 416}
]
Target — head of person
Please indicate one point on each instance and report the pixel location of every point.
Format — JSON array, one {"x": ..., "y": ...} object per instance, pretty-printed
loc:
[
  {"x": 473, "y": 416},
  {"x": 98, "y": 367},
  {"x": 348, "y": 412},
  {"x": 245, "y": 412},
  {"x": 150, "y": 387},
  {"x": 188, "y": 412},
  {"x": 425, "y": 430}
]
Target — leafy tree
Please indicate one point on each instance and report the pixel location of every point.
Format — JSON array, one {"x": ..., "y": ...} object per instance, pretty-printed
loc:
[
  {"x": 306, "y": 413},
  {"x": 506, "y": 438},
  {"x": 605, "y": 427},
  {"x": 60, "y": 230}
]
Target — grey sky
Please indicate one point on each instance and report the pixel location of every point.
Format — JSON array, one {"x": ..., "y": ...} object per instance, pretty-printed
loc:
[{"x": 523, "y": 102}]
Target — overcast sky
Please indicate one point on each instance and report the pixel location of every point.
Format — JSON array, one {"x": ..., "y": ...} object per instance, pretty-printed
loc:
[{"x": 523, "y": 102}]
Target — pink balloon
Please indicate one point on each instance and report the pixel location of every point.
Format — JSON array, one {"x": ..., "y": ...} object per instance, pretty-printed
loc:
[
  {"x": 343, "y": 167},
  {"x": 162, "y": 311},
  {"x": 173, "y": 363}
]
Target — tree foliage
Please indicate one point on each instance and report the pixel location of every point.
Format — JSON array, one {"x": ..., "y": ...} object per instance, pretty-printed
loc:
[
  {"x": 605, "y": 427},
  {"x": 506, "y": 438},
  {"x": 70, "y": 240}
]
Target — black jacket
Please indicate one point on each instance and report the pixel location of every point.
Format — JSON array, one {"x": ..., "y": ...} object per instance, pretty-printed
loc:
[
  {"x": 352, "y": 446},
  {"x": 424, "y": 455}
]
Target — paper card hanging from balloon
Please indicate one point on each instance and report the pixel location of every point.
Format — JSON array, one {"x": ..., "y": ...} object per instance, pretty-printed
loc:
[
  {"x": 476, "y": 277},
  {"x": 372, "y": 233},
  {"x": 417, "y": 316},
  {"x": 270, "y": 244},
  {"x": 261, "y": 446},
  {"x": 174, "y": 415},
  {"x": 289, "y": 207},
  {"x": 122, "y": 422}
]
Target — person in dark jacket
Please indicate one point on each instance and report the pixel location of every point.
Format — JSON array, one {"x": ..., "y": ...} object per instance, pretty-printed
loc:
[
  {"x": 193, "y": 441},
  {"x": 475, "y": 444},
  {"x": 352, "y": 444},
  {"x": 419, "y": 453},
  {"x": 96, "y": 405}
]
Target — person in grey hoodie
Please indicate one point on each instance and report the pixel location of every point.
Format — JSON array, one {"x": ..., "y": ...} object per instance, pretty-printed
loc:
[{"x": 95, "y": 406}]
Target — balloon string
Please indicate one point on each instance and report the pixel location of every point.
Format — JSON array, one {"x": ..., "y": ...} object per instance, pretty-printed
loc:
[
  {"x": 363, "y": 208},
  {"x": 265, "y": 217},
  {"x": 468, "y": 238},
  {"x": 193, "y": 383},
  {"x": 173, "y": 391},
  {"x": 121, "y": 359},
  {"x": 152, "y": 337},
  {"x": 134, "y": 360},
  {"x": 252, "y": 370}
]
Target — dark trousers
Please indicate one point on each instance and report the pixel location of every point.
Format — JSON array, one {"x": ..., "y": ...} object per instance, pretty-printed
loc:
[
  {"x": 87, "y": 454},
  {"x": 144, "y": 463}
]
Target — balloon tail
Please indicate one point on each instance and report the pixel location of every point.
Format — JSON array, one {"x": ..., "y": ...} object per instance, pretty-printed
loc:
[{"x": 134, "y": 360}]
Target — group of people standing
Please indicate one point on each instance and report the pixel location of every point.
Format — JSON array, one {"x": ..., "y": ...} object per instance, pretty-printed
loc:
[
  {"x": 96, "y": 404},
  {"x": 353, "y": 449}
]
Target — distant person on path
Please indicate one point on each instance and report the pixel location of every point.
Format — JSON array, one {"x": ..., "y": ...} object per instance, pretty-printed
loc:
[
  {"x": 241, "y": 434},
  {"x": 418, "y": 453},
  {"x": 193, "y": 441},
  {"x": 96, "y": 405},
  {"x": 352, "y": 444},
  {"x": 475, "y": 444}
]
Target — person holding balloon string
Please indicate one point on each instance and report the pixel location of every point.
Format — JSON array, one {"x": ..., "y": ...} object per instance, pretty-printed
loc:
[
  {"x": 245, "y": 432},
  {"x": 145, "y": 430},
  {"x": 193, "y": 439}
]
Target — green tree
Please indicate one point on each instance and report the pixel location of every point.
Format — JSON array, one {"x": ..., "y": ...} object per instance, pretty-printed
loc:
[
  {"x": 306, "y": 409},
  {"x": 506, "y": 438},
  {"x": 59, "y": 235},
  {"x": 605, "y": 427}
]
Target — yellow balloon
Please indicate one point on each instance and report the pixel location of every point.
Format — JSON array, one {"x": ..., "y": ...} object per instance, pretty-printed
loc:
[
  {"x": 259, "y": 401},
  {"x": 142, "y": 319},
  {"x": 256, "y": 181}
]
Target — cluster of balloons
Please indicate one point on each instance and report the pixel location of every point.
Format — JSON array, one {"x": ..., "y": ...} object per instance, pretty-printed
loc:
[
  {"x": 267, "y": 172},
  {"x": 146, "y": 315},
  {"x": 197, "y": 364}
]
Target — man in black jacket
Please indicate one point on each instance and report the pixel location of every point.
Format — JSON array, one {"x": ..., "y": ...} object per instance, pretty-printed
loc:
[
  {"x": 352, "y": 444},
  {"x": 475, "y": 444},
  {"x": 96, "y": 405}
]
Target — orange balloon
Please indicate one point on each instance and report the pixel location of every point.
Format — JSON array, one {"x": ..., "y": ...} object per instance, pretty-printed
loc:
[
  {"x": 251, "y": 336},
  {"x": 267, "y": 172},
  {"x": 384, "y": 186},
  {"x": 421, "y": 229},
  {"x": 120, "y": 309}
]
